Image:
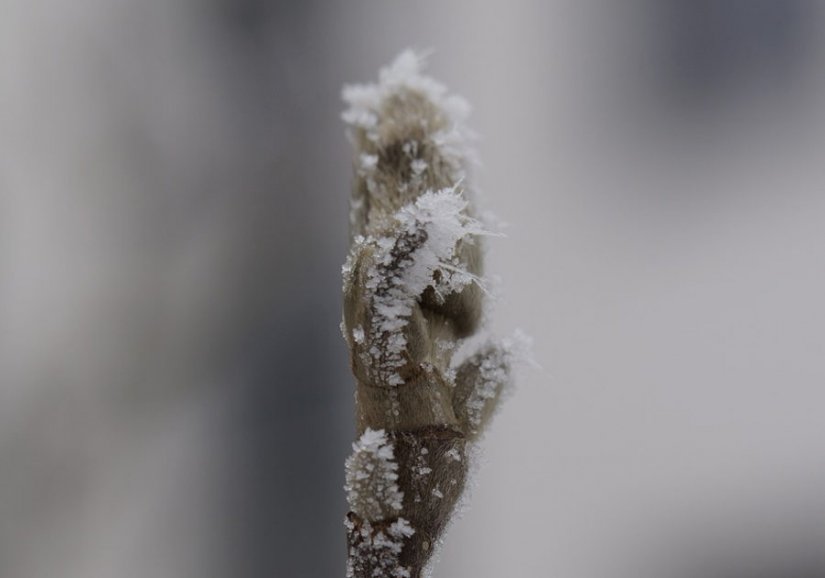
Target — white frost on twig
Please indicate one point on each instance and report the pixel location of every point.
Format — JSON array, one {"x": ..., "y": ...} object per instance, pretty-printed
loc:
[
  {"x": 372, "y": 476},
  {"x": 424, "y": 242},
  {"x": 378, "y": 549},
  {"x": 405, "y": 73},
  {"x": 376, "y": 114},
  {"x": 496, "y": 360}
]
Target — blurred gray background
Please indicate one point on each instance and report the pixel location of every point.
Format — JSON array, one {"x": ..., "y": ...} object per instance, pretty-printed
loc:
[{"x": 175, "y": 399}]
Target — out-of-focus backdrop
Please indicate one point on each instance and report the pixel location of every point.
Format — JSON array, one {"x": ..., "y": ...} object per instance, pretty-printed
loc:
[{"x": 175, "y": 399}]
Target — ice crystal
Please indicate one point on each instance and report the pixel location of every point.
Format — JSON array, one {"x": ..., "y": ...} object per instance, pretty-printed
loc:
[
  {"x": 493, "y": 362},
  {"x": 424, "y": 240},
  {"x": 410, "y": 110},
  {"x": 376, "y": 550},
  {"x": 405, "y": 73},
  {"x": 371, "y": 477},
  {"x": 358, "y": 335}
]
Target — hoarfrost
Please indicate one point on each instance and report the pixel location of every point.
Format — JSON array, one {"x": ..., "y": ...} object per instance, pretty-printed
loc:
[
  {"x": 371, "y": 477},
  {"x": 495, "y": 361},
  {"x": 410, "y": 138},
  {"x": 405, "y": 72},
  {"x": 426, "y": 234},
  {"x": 358, "y": 334},
  {"x": 378, "y": 550},
  {"x": 418, "y": 166},
  {"x": 368, "y": 162}
]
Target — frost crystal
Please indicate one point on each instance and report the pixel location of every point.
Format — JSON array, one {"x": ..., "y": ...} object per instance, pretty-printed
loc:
[
  {"x": 378, "y": 550},
  {"x": 371, "y": 477},
  {"x": 418, "y": 166},
  {"x": 358, "y": 334},
  {"x": 427, "y": 233},
  {"x": 365, "y": 101},
  {"x": 494, "y": 362},
  {"x": 415, "y": 114}
]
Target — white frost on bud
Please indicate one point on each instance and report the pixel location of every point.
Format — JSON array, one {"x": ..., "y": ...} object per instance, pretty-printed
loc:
[
  {"x": 453, "y": 454},
  {"x": 378, "y": 550},
  {"x": 427, "y": 233},
  {"x": 409, "y": 109},
  {"x": 413, "y": 244},
  {"x": 495, "y": 361},
  {"x": 371, "y": 477},
  {"x": 405, "y": 73}
]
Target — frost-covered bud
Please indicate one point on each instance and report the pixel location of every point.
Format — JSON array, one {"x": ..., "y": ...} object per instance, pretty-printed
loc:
[
  {"x": 417, "y": 255},
  {"x": 410, "y": 136},
  {"x": 372, "y": 478},
  {"x": 413, "y": 296},
  {"x": 483, "y": 377}
]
